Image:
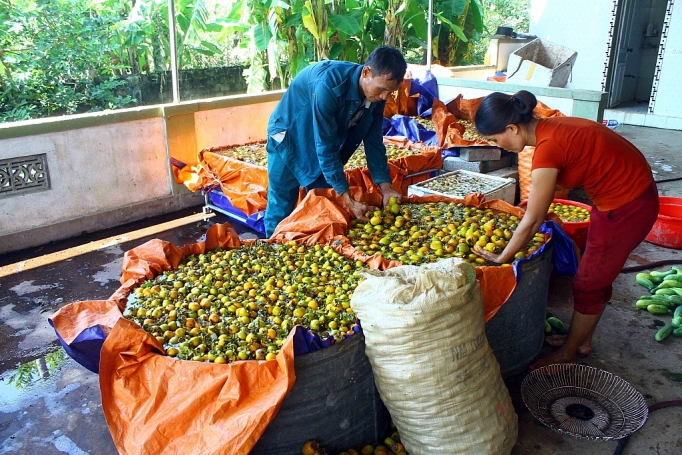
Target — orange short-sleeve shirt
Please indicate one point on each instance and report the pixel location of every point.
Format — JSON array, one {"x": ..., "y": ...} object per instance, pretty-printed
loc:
[{"x": 611, "y": 170}]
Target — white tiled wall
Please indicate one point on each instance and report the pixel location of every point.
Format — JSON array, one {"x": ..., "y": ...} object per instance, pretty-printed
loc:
[
  {"x": 668, "y": 100},
  {"x": 581, "y": 25}
]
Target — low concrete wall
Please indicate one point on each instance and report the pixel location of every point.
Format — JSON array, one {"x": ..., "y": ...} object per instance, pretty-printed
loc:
[
  {"x": 99, "y": 168},
  {"x": 108, "y": 169},
  {"x": 578, "y": 103}
]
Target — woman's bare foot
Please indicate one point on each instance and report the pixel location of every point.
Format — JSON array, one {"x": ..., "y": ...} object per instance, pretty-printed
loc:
[
  {"x": 558, "y": 340},
  {"x": 555, "y": 340},
  {"x": 579, "y": 339},
  {"x": 560, "y": 356}
]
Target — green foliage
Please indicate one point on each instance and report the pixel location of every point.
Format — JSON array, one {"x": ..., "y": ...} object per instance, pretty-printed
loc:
[
  {"x": 65, "y": 56},
  {"x": 50, "y": 53},
  {"x": 143, "y": 36},
  {"x": 508, "y": 13},
  {"x": 459, "y": 26},
  {"x": 291, "y": 34}
]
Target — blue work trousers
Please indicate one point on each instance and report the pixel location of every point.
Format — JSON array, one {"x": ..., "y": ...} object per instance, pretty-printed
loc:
[{"x": 283, "y": 187}]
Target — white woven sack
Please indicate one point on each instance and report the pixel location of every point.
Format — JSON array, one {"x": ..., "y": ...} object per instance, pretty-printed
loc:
[{"x": 433, "y": 367}]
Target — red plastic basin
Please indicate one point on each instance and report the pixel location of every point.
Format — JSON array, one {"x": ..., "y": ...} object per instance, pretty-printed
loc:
[
  {"x": 667, "y": 230},
  {"x": 577, "y": 231}
]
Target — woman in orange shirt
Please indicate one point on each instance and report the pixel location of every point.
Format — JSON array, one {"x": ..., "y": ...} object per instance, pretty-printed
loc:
[{"x": 574, "y": 152}]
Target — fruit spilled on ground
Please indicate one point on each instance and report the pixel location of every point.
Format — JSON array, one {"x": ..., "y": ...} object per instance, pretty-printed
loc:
[{"x": 390, "y": 446}]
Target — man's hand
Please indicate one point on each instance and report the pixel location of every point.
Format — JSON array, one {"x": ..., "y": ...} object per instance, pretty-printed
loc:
[
  {"x": 356, "y": 207},
  {"x": 387, "y": 191}
]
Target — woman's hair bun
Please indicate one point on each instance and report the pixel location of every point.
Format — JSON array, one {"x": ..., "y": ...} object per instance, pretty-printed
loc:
[
  {"x": 497, "y": 110},
  {"x": 523, "y": 102}
]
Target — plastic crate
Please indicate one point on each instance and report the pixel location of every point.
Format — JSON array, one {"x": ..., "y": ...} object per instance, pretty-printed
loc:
[
  {"x": 493, "y": 187},
  {"x": 217, "y": 201}
]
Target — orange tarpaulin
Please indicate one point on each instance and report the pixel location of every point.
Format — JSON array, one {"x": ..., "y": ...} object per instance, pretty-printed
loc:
[
  {"x": 184, "y": 173},
  {"x": 399, "y": 168},
  {"x": 245, "y": 184},
  {"x": 157, "y": 404},
  {"x": 154, "y": 403},
  {"x": 450, "y": 133},
  {"x": 322, "y": 217},
  {"x": 401, "y": 102}
]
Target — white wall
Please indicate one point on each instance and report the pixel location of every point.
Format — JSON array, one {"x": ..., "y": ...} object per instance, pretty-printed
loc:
[
  {"x": 448, "y": 93},
  {"x": 669, "y": 97},
  {"x": 581, "y": 25},
  {"x": 91, "y": 170}
]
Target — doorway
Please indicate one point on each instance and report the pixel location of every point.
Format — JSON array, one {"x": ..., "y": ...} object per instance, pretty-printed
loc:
[{"x": 636, "y": 52}]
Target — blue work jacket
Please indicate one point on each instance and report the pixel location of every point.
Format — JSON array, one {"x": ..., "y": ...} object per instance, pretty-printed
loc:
[{"x": 314, "y": 114}]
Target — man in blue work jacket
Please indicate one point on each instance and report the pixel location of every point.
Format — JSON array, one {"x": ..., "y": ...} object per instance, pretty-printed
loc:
[{"x": 327, "y": 111}]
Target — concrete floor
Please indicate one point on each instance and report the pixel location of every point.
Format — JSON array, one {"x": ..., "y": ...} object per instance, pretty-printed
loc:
[{"x": 49, "y": 404}]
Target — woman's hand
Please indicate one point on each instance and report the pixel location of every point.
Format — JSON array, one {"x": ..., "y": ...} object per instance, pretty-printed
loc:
[
  {"x": 487, "y": 255},
  {"x": 541, "y": 195}
]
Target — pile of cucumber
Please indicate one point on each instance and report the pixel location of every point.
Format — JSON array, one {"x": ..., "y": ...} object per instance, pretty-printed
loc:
[
  {"x": 665, "y": 297},
  {"x": 554, "y": 325}
]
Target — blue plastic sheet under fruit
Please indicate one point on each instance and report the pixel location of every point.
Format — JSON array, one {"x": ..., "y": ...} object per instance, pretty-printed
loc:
[
  {"x": 407, "y": 127},
  {"x": 425, "y": 85},
  {"x": 564, "y": 258},
  {"x": 86, "y": 348},
  {"x": 306, "y": 341},
  {"x": 255, "y": 221}
]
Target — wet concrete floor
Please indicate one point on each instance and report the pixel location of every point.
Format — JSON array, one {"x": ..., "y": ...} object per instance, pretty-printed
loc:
[{"x": 49, "y": 404}]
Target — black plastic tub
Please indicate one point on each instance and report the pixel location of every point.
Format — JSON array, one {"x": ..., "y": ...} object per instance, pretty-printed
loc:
[
  {"x": 334, "y": 401},
  {"x": 516, "y": 333}
]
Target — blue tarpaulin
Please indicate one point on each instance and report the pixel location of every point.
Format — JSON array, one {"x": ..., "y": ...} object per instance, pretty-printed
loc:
[
  {"x": 86, "y": 348},
  {"x": 222, "y": 202},
  {"x": 425, "y": 85},
  {"x": 564, "y": 258},
  {"x": 407, "y": 127},
  {"x": 306, "y": 341}
]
